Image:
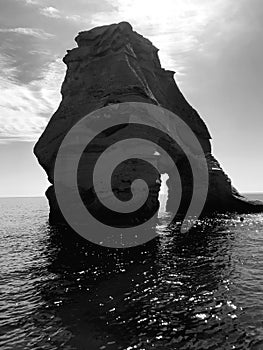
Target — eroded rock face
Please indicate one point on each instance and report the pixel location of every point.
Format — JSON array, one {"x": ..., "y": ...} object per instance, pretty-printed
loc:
[{"x": 114, "y": 64}]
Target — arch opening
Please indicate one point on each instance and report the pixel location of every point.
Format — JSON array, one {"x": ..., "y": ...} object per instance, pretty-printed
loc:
[{"x": 163, "y": 195}]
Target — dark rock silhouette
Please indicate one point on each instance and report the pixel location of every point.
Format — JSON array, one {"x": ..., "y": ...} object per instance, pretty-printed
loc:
[{"x": 114, "y": 64}]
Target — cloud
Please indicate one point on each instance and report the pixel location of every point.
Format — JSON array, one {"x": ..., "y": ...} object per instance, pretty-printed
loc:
[
  {"x": 31, "y": 2},
  {"x": 25, "y": 108},
  {"x": 35, "y": 32},
  {"x": 192, "y": 37},
  {"x": 74, "y": 18},
  {"x": 174, "y": 26},
  {"x": 32, "y": 79},
  {"x": 50, "y": 12}
]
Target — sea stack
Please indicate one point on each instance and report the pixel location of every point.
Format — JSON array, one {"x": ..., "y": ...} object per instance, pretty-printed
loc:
[{"x": 113, "y": 64}]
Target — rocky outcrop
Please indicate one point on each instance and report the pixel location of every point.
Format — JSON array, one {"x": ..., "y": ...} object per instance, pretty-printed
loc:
[{"x": 114, "y": 64}]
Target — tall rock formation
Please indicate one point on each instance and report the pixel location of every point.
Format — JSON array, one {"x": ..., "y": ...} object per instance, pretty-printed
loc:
[{"x": 114, "y": 64}]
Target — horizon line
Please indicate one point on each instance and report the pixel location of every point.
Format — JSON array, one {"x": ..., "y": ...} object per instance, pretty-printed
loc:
[{"x": 43, "y": 196}]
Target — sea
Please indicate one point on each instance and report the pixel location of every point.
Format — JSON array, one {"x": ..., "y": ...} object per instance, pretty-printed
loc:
[{"x": 197, "y": 290}]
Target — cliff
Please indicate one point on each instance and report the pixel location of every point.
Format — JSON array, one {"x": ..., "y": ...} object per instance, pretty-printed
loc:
[{"x": 114, "y": 64}]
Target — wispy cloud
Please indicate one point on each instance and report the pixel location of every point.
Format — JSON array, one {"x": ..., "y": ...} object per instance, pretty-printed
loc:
[
  {"x": 74, "y": 18},
  {"x": 35, "y": 32},
  {"x": 183, "y": 30},
  {"x": 50, "y": 12},
  {"x": 174, "y": 26},
  {"x": 25, "y": 108},
  {"x": 31, "y": 2}
]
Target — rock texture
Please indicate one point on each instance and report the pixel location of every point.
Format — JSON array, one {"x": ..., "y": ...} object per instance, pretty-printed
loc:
[{"x": 115, "y": 64}]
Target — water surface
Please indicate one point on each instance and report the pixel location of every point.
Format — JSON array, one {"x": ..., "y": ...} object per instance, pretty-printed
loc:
[{"x": 200, "y": 290}]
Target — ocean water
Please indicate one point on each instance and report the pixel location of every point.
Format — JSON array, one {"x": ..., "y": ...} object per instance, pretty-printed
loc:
[{"x": 199, "y": 290}]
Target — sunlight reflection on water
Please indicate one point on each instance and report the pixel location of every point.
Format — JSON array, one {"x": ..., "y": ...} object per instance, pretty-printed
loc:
[{"x": 200, "y": 290}]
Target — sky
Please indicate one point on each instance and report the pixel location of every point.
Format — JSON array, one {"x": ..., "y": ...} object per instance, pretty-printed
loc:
[{"x": 215, "y": 47}]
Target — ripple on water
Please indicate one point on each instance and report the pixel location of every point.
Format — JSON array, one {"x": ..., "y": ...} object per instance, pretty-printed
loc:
[{"x": 199, "y": 290}]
